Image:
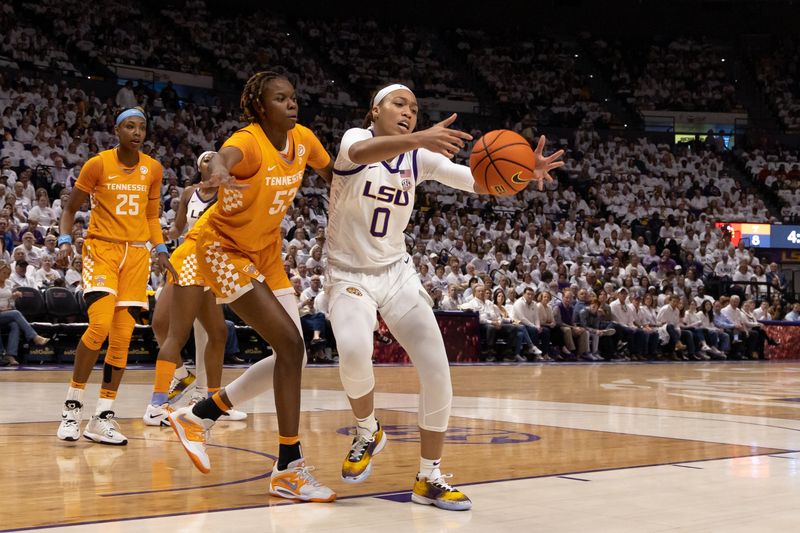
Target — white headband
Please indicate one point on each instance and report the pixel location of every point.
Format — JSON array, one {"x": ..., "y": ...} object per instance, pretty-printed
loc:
[
  {"x": 386, "y": 90},
  {"x": 202, "y": 156}
]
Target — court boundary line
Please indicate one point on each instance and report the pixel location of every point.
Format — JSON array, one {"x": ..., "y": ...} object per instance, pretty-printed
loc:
[{"x": 385, "y": 493}]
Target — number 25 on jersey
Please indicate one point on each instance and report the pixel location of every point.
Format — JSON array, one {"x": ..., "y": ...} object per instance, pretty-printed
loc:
[{"x": 127, "y": 204}]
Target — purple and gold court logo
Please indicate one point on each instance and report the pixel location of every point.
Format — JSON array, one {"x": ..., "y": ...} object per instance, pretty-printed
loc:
[{"x": 455, "y": 435}]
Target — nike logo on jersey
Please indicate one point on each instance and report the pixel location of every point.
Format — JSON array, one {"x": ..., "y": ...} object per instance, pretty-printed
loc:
[
  {"x": 373, "y": 166},
  {"x": 270, "y": 169},
  {"x": 405, "y": 260},
  {"x": 115, "y": 176}
]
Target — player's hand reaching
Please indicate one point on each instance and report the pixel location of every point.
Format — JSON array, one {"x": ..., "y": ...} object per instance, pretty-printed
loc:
[
  {"x": 166, "y": 266},
  {"x": 441, "y": 139},
  {"x": 219, "y": 176},
  {"x": 544, "y": 164},
  {"x": 64, "y": 253}
]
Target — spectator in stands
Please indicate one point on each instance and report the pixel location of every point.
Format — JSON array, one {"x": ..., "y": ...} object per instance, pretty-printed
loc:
[
  {"x": 777, "y": 278},
  {"x": 794, "y": 314},
  {"x": 46, "y": 276},
  {"x": 743, "y": 328},
  {"x": 515, "y": 328},
  {"x": 569, "y": 330},
  {"x": 642, "y": 343},
  {"x": 13, "y": 319},
  {"x": 23, "y": 275},
  {"x": 669, "y": 316},
  {"x": 73, "y": 278},
  {"x": 525, "y": 311},
  {"x": 313, "y": 322},
  {"x": 451, "y": 301}
]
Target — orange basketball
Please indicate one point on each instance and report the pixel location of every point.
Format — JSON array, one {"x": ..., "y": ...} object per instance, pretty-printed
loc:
[{"x": 502, "y": 163}]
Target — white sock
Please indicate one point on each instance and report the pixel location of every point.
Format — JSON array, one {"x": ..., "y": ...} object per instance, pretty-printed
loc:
[
  {"x": 103, "y": 404},
  {"x": 75, "y": 394},
  {"x": 367, "y": 426},
  {"x": 181, "y": 372},
  {"x": 429, "y": 468}
]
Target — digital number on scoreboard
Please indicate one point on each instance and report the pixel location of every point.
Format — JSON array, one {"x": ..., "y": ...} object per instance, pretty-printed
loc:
[{"x": 762, "y": 235}]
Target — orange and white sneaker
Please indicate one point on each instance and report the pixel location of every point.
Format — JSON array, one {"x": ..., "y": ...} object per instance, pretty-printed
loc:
[
  {"x": 439, "y": 493},
  {"x": 192, "y": 431},
  {"x": 357, "y": 466},
  {"x": 297, "y": 483}
]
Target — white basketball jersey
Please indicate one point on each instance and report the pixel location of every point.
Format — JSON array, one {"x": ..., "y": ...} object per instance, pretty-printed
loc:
[
  {"x": 196, "y": 207},
  {"x": 370, "y": 206}
]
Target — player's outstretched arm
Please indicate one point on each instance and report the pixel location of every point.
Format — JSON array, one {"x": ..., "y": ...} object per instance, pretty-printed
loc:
[
  {"x": 220, "y": 169},
  {"x": 440, "y": 139}
]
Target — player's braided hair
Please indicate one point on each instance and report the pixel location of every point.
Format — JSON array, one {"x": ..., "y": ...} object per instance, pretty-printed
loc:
[{"x": 252, "y": 111}]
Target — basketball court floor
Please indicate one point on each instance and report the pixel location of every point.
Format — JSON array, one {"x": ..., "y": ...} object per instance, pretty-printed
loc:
[{"x": 702, "y": 447}]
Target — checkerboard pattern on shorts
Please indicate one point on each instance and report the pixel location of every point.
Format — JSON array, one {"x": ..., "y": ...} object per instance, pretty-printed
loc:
[
  {"x": 223, "y": 269},
  {"x": 188, "y": 273},
  {"x": 232, "y": 199}
]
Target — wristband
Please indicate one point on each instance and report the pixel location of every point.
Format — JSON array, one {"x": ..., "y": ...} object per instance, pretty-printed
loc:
[
  {"x": 161, "y": 248},
  {"x": 64, "y": 239}
]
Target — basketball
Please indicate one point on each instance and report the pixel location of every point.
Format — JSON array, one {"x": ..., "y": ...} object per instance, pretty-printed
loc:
[{"x": 502, "y": 163}]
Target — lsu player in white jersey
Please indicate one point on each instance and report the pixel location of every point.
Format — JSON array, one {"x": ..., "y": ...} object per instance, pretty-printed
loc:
[
  {"x": 195, "y": 201},
  {"x": 371, "y": 201}
]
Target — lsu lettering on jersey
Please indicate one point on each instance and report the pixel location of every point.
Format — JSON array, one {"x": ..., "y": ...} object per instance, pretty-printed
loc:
[
  {"x": 251, "y": 217},
  {"x": 124, "y": 201},
  {"x": 370, "y": 205},
  {"x": 196, "y": 207}
]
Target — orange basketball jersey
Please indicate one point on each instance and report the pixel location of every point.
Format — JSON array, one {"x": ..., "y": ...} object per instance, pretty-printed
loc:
[
  {"x": 124, "y": 202},
  {"x": 251, "y": 217}
]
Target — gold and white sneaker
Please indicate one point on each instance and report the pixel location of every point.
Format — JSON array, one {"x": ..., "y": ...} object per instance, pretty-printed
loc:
[{"x": 439, "y": 493}]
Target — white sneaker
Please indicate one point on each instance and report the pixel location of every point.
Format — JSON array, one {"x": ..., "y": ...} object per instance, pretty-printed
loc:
[
  {"x": 70, "y": 427},
  {"x": 232, "y": 415},
  {"x": 536, "y": 351},
  {"x": 297, "y": 483},
  {"x": 103, "y": 428},
  {"x": 192, "y": 431},
  {"x": 156, "y": 415}
]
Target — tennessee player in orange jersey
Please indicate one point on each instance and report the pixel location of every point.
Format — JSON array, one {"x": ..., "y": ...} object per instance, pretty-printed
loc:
[
  {"x": 259, "y": 170},
  {"x": 191, "y": 293},
  {"x": 125, "y": 190}
]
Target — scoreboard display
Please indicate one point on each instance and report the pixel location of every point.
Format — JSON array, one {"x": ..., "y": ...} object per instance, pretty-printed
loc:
[{"x": 762, "y": 235}]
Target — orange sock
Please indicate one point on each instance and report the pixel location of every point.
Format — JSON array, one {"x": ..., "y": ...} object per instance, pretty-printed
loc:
[
  {"x": 164, "y": 372},
  {"x": 288, "y": 440},
  {"x": 75, "y": 385},
  {"x": 217, "y": 398},
  {"x": 106, "y": 394}
]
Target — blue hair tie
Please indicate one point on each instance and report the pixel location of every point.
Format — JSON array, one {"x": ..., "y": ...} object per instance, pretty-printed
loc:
[{"x": 129, "y": 113}]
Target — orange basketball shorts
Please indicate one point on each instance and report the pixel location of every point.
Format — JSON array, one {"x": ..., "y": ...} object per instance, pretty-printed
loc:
[
  {"x": 230, "y": 271},
  {"x": 121, "y": 269}
]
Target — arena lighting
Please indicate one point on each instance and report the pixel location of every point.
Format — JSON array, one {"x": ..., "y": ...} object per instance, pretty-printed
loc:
[{"x": 723, "y": 59}]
